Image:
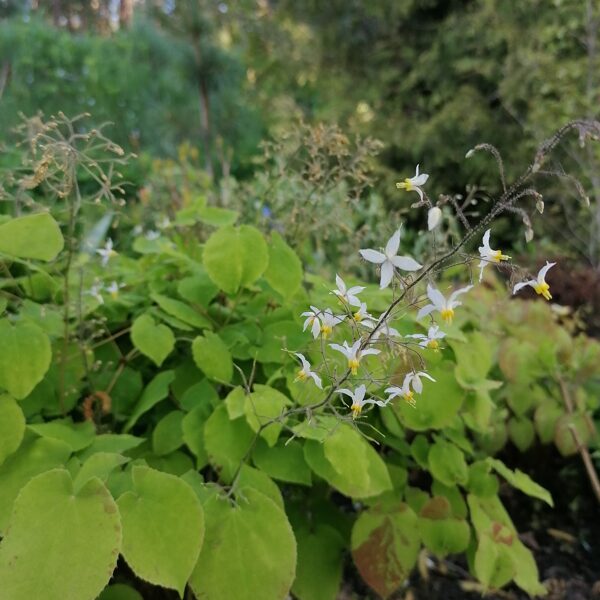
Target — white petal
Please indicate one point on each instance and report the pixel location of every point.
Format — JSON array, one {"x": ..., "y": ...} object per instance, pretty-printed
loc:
[
  {"x": 417, "y": 384},
  {"x": 426, "y": 375},
  {"x": 425, "y": 311},
  {"x": 391, "y": 248},
  {"x": 370, "y": 351},
  {"x": 486, "y": 241},
  {"x": 523, "y": 284},
  {"x": 372, "y": 256},
  {"x": 434, "y": 216},
  {"x": 387, "y": 273},
  {"x": 482, "y": 265},
  {"x": 346, "y": 392},
  {"x": 542, "y": 274},
  {"x": 359, "y": 393},
  {"x": 357, "y": 289},
  {"x": 305, "y": 363},
  {"x": 406, "y": 263},
  {"x": 316, "y": 328},
  {"x": 457, "y": 293},
  {"x": 340, "y": 283},
  {"x": 438, "y": 299},
  {"x": 316, "y": 379},
  {"x": 420, "y": 179},
  {"x": 339, "y": 348}
]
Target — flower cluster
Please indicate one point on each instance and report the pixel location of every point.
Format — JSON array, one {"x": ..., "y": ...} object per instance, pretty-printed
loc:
[{"x": 369, "y": 331}]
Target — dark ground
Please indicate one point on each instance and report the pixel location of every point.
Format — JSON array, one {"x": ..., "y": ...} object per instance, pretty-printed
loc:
[{"x": 565, "y": 540}]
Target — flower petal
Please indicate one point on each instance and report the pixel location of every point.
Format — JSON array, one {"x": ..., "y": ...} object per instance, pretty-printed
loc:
[
  {"x": 406, "y": 263},
  {"x": 387, "y": 273},
  {"x": 391, "y": 248},
  {"x": 425, "y": 311},
  {"x": 372, "y": 256},
  {"x": 523, "y": 284},
  {"x": 438, "y": 299},
  {"x": 542, "y": 274}
]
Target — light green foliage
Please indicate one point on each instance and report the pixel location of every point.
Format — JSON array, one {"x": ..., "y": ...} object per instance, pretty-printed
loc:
[
  {"x": 257, "y": 533},
  {"x": 521, "y": 481},
  {"x": 12, "y": 426},
  {"x": 34, "y": 456},
  {"x": 348, "y": 463},
  {"x": 262, "y": 406},
  {"x": 163, "y": 528},
  {"x": 209, "y": 278},
  {"x": 385, "y": 544},
  {"x": 283, "y": 461},
  {"x": 24, "y": 359},
  {"x": 34, "y": 236},
  {"x": 284, "y": 273},
  {"x": 213, "y": 357},
  {"x": 226, "y": 441},
  {"x": 61, "y": 544},
  {"x": 99, "y": 465},
  {"x": 235, "y": 257},
  {"x": 447, "y": 463},
  {"x": 75, "y": 435},
  {"x": 168, "y": 433},
  {"x": 156, "y": 341},
  {"x": 181, "y": 311},
  {"x": 156, "y": 391},
  {"x": 441, "y": 531}
]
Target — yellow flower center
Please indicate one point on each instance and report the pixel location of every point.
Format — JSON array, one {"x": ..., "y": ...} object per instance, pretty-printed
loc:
[
  {"x": 353, "y": 365},
  {"x": 447, "y": 314},
  {"x": 358, "y": 317},
  {"x": 497, "y": 256},
  {"x": 301, "y": 375},
  {"x": 356, "y": 410},
  {"x": 406, "y": 184},
  {"x": 326, "y": 330},
  {"x": 543, "y": 289},
  {"x": 409, "y": 397},
  {"x": 114, "y": 294},
  {"x": 433, "y": 344}
]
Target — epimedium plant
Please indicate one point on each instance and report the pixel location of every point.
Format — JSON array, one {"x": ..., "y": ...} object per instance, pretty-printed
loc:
[{"x": 233, "y": 426}]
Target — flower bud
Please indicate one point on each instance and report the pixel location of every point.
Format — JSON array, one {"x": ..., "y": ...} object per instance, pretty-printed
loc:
[{"x": 434, "y": 216}]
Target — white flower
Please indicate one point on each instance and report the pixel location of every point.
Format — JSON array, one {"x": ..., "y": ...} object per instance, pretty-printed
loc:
[
  {"x": 410, "y": 379},
  {"x": 320, "y": 321},
  {"x": 312, "y": 319},
  {"x": 138, "y": 230},
  {"x": 113, "y": 289},
  {"x": 361, "y": 314},
  {"x": 434, "y": 216},
  {"x": 384, "y": 329},
  {"x": 388, "y": 260},
  {"x": 439, "y": 303},
  {"x": 539, "y": 285},
  {"x": 431, "y": 339},
  {"x": 358, "y": 399},
  {"x": 354, "y": 353},
  {"x": 347, "y": 295},
  {"x": 107, "y": 252},
  {"x": 305, "y": 372},
  {"x": 152, "y": 235},
  {"x": 413, "y": 184},
  {"x": 94, "y": 292},
  {"x": 488, "y": 255}
]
